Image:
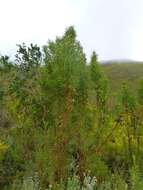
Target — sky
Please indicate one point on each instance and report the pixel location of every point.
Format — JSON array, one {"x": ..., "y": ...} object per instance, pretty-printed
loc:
[{"x": 112, "y": 28}]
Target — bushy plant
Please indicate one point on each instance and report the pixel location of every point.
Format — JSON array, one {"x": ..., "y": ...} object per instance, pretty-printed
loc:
[{"x": 56, "y": 120}]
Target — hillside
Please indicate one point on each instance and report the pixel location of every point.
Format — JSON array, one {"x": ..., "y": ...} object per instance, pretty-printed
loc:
[{"x": 119, "y": 73}]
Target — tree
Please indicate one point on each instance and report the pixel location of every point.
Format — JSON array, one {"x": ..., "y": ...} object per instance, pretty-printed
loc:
[
  {"x": 130, "y": 116},
  {"x": 140, "y": 93},
  {"x": 99, "y": 82},
  {"x": 65, "y": 82},
  {"x": 5, "y": 64},
  {"x": 28, "y": 58}
]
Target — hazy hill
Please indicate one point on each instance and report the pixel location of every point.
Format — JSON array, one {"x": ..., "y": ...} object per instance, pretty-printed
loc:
[{"x": 119, "y": 73}]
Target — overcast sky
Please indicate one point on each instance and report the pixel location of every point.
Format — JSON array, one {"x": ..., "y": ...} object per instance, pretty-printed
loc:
[{"x": 113, "y": 28}]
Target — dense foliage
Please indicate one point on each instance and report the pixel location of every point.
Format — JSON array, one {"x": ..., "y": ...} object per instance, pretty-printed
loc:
[{"x": 58, "y": 129}]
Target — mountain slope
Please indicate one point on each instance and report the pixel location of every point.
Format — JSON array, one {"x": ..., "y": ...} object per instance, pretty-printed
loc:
[{"x": 119, "y": 73}]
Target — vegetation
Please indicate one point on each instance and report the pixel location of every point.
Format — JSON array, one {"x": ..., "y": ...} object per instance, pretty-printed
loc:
[
  {"x": 61, "y": 127},
  {"x": 121, "y": 72}
]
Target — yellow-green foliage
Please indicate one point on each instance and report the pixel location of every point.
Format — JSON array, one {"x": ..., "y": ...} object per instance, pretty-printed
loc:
[
  {"x": 3, "y": 149},
  {"x": 58, "y": 128}
]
